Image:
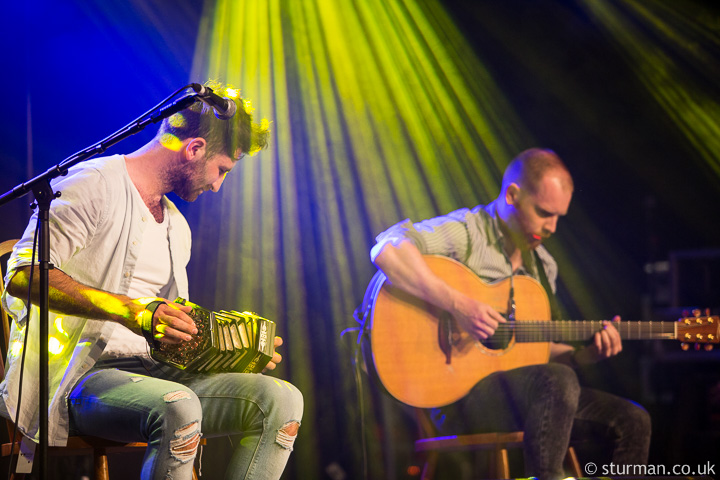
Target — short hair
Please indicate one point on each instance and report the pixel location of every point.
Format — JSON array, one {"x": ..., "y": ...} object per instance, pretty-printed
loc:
[
  {"x": 529, "y": 167},
  {"x": 222, "y": 136}
]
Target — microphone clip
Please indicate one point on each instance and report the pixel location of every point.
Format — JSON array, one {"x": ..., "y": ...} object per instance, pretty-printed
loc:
[{"x": 224, "y": 107}]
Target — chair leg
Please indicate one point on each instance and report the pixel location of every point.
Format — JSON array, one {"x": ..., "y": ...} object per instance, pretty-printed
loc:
[
  {"x": 501, "y": 465},
  {"x": 101, "y": 464},
  {"x": 195, "y": 477},
  {"x": 572, "y": 464}
]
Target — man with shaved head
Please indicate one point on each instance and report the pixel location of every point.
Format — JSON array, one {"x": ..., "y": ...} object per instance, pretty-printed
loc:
[{"x": 496, "y": 241}]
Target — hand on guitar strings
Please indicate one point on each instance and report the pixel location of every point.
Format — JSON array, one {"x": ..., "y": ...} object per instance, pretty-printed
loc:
[
  {"x": 605, "y": 344},
  {"x": 478, "y": 319}
]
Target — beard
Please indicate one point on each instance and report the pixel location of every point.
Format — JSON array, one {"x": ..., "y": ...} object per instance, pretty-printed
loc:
[{"x": 186, "y": 181}]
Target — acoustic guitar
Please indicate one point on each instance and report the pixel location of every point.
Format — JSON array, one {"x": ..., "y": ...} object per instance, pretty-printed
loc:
[{"x": 423, "y": 359}]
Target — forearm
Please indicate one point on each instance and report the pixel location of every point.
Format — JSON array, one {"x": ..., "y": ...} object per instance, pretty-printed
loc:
[
  {"x": 562, "y": 353},
  {"x": 406, "y": 269},
  {"x": 574, "y": 357},
  {"x": 69, "y": 297}
]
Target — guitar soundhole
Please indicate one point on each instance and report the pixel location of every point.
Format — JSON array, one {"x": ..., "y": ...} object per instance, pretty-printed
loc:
[{"x": 502, "y": 337}]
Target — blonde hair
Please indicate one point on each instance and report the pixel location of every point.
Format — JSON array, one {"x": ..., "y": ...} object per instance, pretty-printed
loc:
[{"x": 238, "y": 133}]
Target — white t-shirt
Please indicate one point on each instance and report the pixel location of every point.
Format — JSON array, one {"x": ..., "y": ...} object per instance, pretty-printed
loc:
[
  {"x": 96, "y": 229},
  {"x": 151, "y": 278}
]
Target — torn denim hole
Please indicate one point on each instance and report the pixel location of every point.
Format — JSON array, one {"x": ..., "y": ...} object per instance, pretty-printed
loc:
[
  {"x": 287, "y": 434},
  {"x": 136, "y": 377},
  {"x": 175, "y": 396},
  {"x": 183, "y": 447}
]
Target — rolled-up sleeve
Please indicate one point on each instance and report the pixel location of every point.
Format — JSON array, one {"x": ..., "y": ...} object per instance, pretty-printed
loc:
[{"x": 446, "y": 235}]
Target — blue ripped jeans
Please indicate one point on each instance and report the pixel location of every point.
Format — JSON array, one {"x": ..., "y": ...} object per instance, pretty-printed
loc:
[{"x": 136, "y": 400}]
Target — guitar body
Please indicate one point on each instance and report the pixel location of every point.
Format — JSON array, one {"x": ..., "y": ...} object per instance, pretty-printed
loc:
[{"x": 404, "y": 337}]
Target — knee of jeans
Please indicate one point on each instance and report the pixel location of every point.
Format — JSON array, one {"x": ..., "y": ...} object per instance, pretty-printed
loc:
[
  {"x": 182, "y": 420},
  {"x": 634, "y": 421},
  {"x": 180, "y": 407},
  {"x": 285, "y": 400},
  {"x": 286, "y": 408},
  {"x": 561, "y": 381}
]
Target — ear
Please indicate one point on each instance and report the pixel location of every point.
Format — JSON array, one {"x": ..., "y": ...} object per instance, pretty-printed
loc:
[
  {"x": 512, "y": 193},
  {"x": 195, "y": 149}
]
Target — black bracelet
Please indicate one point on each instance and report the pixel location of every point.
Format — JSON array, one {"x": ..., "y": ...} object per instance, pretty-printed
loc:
[{"x": 147, "y": 320}]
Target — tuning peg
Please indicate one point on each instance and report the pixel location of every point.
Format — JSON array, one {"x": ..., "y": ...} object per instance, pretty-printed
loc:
[
  {"x": 685, "y": 313},
  {"x": 708, "y": 347},
  {"x": 684, "y": 346},
  {"x": 697, "y": 347},
  {"x": 696, "y": 312},
  {"x": 707, "y": 312}
]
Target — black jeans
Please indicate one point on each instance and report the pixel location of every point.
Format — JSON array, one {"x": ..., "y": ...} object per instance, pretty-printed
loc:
[{"x": 548, "y": 404}]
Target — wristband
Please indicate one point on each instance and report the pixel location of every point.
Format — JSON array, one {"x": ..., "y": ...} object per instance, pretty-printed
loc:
[{"x": 147, "y": 320}]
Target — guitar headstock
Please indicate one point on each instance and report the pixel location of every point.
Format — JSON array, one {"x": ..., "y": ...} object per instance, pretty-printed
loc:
[{"x": 698, "y": 329}]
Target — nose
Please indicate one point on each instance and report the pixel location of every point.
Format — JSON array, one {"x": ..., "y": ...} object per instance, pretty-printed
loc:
[
  {"x": 551, "y": 225},
  {"x": 215, "y": 186}
]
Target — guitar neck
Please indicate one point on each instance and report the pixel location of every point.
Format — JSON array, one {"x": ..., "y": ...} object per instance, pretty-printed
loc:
[
  {"x": 425, "y": 359},
  {"x": 580, "y": 330}
]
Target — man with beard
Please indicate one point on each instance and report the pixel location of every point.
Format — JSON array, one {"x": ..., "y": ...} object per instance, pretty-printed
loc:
[
  {"x": 496, "y": 241},
  {"x": 120, "y": 250}
]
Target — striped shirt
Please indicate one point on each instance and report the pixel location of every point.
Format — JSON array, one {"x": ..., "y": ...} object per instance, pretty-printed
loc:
[{"x": 472, "y": 237}]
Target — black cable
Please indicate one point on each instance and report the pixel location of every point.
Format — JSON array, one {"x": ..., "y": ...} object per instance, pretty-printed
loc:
[
  {"x": 361, "y": 316},
  {"x": 361, "y": 402},
  {"x": 25, "y": 341}
]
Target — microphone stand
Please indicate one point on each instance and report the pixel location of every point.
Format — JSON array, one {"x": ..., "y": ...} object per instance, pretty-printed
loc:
[{"x": 44, "y": 195}]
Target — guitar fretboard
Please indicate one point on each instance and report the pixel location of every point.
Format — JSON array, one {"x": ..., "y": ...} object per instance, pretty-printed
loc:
[{"x": 578, "y": 330}]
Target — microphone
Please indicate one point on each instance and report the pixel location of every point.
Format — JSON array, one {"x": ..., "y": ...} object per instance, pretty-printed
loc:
[{"x": 224, "y": 107}]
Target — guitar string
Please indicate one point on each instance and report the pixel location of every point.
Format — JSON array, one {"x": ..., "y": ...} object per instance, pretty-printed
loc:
[{"x": 580, "y": 329}]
